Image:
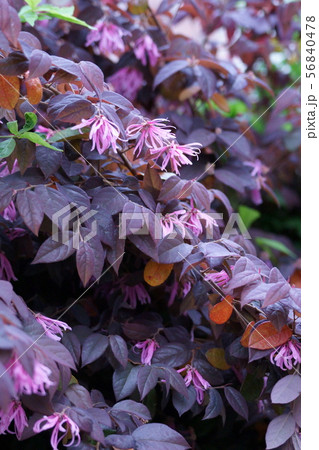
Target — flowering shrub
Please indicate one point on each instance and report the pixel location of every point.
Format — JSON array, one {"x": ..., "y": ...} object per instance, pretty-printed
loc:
[{"x": 138, "y": 310}]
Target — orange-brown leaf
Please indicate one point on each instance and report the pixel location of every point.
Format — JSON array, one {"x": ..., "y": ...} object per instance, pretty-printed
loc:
[
  {"x": 265, "y": 336},
  {"x": 156, "y": 273},
  {"x": 34, "y": 90},
  {"x": 222, "y": 311},
  {"x": 216, "y": 357},
  {"x": 9, "y": 91},
  {"x": 221, "y": 102},
  {"x": 245, "y": 337}
]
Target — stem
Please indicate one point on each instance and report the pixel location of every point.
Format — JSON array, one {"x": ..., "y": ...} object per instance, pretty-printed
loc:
[{"x": 128, "y": 164}]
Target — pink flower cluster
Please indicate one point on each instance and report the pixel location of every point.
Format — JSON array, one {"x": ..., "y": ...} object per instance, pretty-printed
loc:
[
  {"x": 219, "y": 278},
  {"x": 133, "y": 294},
  {"x": 127, "y": 82},
  {"x": 24, "y": 383},
  {"x": 160, "y": 142},
  {"x": 148, "y": 349},
  {"x": 15, "y": 413},
  {"x": 60, "y": 423},
  {"x": 258, "y": 172},
  {"x": 109, "y": 38},
  {"x": 52, "y": 327},
  {"x": 287, "y": 355},
  {"x": 103, "y": 132},
  {"x": 145, "y": 47},
  {"x": 193, "y": 217},
  {"x": 192, "y": 376},
  {"x": 171, "y": 221}
]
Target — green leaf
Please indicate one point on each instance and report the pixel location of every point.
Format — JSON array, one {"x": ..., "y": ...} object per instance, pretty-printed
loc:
[
  {"x": 13, "y": 127},
  {"x": 33, "y": 3},
  {"x": 248, "y": 215},
  {"x": 26, "y": 14},
  {"x": 30, "y": 120},
  {"x": 67, "y": 133},
  {"x": 7, "y": 147},
  {"x": 37, "y": 139},
  {"x": 65, "y": 13},
  {"x": 252, "y": 387},
  {"x": 276, "y": 245}
]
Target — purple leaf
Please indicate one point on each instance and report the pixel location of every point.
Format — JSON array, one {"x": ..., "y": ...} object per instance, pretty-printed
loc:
[
  {"x": 30, "y": 209},
  {"x": 297, "y": 411},
  {"x": 286, "y": 389},
  {"x": 40, "y": 63},
  {"x": 215, "y": 405},
  {"x": 91, "y": 77},
  {"x": 120, "y": 441},
  {"x": 119, "y": 349},
  {"x": 276, "y": 292},
  {"x": 173, "y": 250},
  {"x": 184, "y": 403},
  {"x": 117, "y": 100},
  {"x": 172, "y": 355},
  {"x": 52, "y": 201},
  {"x": 93, "y": 348},
  {"x": 79, "y": 396},
  {"x": 125, "y": 381},
  {"x": 279, "y": 430},
  {"x": 147, "y": 379},
  {"x": 85, "y": 262},
  {"x": 48, "y": 160},
  {"x": 168, "y": 70},
  {"x": 236, "y": 401},
  {"x": 56, "y": 351},
  {"x": 175, "y": 380},
  {"x": 72, "y": 343},
  {"x": 110, "y": 199},
  {"x": 6, "y": 193},
  {"x": 70, "y": 108},
  {"x": 52, "y": 251},
  {"x": 133, "y": 408},
  {"x": 14, "y": 64},
  {"x": 157, "y": 436}
]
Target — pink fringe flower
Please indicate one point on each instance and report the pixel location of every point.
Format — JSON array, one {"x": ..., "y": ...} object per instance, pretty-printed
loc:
[
  {"x": 47, "y": 131},
  {"x": 199, "y": 383},
  {"x": 148, "y": 349},
  {"x": 127, "y": 82},
  {"x": 109, "y": 38},
  {"x": 193, "y": 218},
  {"x": 154, "y": 134},
  {"x": 171, "y": 221},
  {"x": 24, "y": 383},
  {"x": 6, "y": 271},
  {"x": 14, "y": 413},
  {"x": 258, "y": 172},
  {"x": 103, "y": 133},
  {"x": 60, "y": 423},
  {"x": 133, "y": 294},
  {"x": 144, "y": 47},
  {"x": 220, "y": 278},
  {"x": 287, "y": 355},
  {"x": 53, "y": 328},
  {"x": 175, "y": 154}
]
